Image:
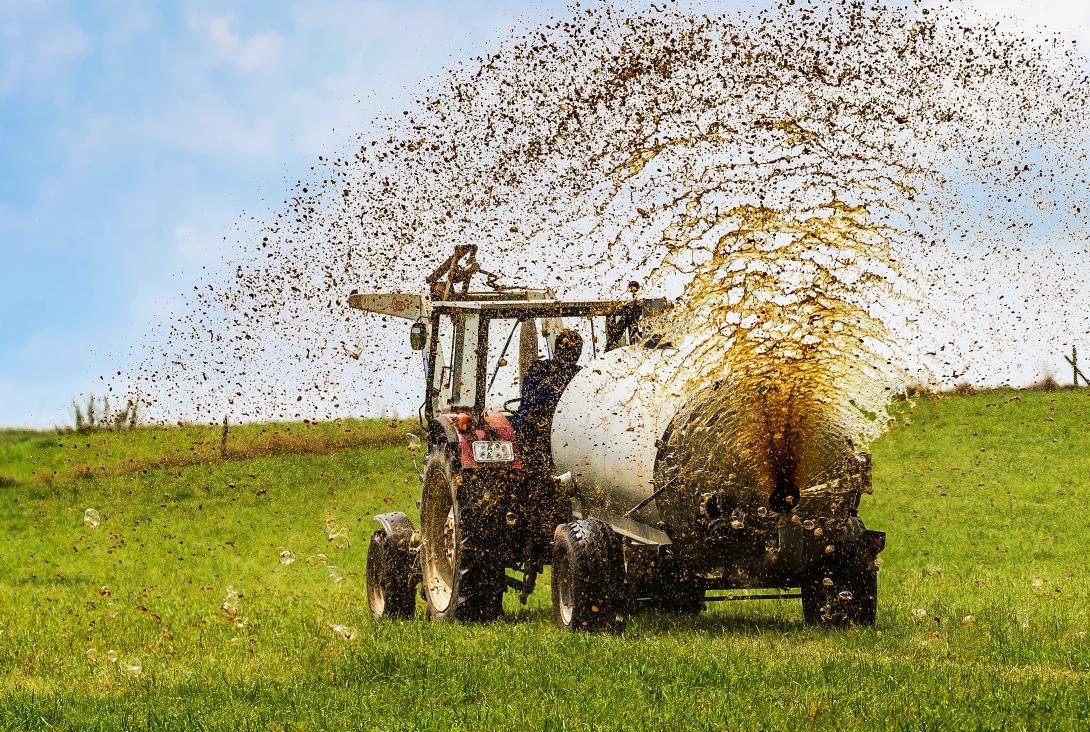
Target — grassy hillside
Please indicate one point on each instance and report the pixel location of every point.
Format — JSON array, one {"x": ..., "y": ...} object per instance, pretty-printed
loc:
[{"x": 983, "y": 497}]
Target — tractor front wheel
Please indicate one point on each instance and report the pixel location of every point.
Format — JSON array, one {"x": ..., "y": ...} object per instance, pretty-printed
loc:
[
  {"x": 391, "y": 582},
  {"x": 588, "y": 578}
]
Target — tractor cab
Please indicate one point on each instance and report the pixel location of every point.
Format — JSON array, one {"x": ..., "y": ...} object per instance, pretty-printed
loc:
[
  {"x": 481, "y": 511},
  {"x": 477, "y": 345}
]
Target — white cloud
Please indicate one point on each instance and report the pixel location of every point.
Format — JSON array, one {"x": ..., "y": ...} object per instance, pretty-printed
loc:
[{"x": 258, "y": 52}]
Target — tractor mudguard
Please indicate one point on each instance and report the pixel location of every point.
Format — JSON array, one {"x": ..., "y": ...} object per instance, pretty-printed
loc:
[
  {"x": 398, "y": 527},
  {"x": 445, "y": 421}
]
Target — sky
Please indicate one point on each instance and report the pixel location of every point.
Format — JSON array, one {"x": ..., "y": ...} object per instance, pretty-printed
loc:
[{"x": 137, "y": 137}]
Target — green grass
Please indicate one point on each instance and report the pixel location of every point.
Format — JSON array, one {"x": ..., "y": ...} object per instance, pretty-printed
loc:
[{"x": 983, "y": 497}]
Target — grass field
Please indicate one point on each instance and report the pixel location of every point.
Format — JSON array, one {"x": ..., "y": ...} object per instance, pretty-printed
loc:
[{"x": 984, "y": 499}]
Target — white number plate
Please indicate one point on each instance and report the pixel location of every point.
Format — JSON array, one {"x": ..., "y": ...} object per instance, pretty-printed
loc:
[{"x": 497, "y": 451}]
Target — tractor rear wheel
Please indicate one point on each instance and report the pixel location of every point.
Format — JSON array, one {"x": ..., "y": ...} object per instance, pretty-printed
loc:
[
  {"x": 391, "y": 582},
  {"x": 588, "y": 578},
  {"x": 842, "y": 589},
  {"x": 463, "y": 576}
]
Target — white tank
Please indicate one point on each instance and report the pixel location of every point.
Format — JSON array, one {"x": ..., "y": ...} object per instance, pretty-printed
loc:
[
  {"x": 618, "y": 433},
  {"x": 608, "y": 424}
]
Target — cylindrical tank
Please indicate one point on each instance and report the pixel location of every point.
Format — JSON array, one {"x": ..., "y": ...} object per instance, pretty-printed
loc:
[
  {"x": 626, "y": 433},
  {"x": 608, "y": 423}
]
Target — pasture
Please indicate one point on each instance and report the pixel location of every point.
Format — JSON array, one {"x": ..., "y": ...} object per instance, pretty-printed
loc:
[{"x": 130, "y": 624}]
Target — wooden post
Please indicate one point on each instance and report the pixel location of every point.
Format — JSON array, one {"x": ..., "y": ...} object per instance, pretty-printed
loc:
[
  {"x": 223, "y": 440},
  {"x": 1076, "y": 373}
]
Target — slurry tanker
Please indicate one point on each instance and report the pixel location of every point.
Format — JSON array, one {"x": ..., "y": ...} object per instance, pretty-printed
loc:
[{"x": 637, "y": 501}]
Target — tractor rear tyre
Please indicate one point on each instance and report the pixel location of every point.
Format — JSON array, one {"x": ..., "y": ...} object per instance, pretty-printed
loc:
[
  {"x": 463, "y": 576},
  {"x": 842, "y": 589},
  {"x": 391, "y": 582},
  {"x": 588, "y": 578}
]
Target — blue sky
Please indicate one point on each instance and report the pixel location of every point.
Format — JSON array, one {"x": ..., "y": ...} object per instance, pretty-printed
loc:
[{"x": 134, "y": 137}]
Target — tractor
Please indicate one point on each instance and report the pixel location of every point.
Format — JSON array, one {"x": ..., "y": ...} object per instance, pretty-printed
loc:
[{"x": 622, "y": 522}]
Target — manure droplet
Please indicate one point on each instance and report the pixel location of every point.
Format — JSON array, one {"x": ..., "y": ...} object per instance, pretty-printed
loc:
[
  {"x": 231, "y": 604},
  {"x": 346, "y": 632},
  {"x": 92, "y": 518}
]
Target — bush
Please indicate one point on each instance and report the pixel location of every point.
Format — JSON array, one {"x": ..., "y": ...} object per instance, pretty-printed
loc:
[{"x": 98, "y": 416}]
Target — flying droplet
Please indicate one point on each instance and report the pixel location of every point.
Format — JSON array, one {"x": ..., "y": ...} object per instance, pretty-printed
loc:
[
  {"x": 339, "y": 537},
  {"x": 346, "y": 632},
  {"x": 230, "y": 605},
  {"x": 968, "y": 621},
  {"x": 334, "y": 573},
  {"x": 919, "y": 615},
  {"x": 92, "y": 518},
  {"x": 287, "y": 557}
]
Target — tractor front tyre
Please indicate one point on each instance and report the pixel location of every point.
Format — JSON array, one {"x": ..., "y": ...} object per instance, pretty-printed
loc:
[
  {"x": 588, "y": 578},
  {"x": 391, "y": 581},
  {"x": 842, "y": 590},
  {"x": 462, "y": 574}
]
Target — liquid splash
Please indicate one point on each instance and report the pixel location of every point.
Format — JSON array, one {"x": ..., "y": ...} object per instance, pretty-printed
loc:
[{"x": 804, "y": 181}]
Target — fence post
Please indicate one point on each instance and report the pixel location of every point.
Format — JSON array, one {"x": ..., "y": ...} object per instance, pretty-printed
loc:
[
  {"x": 223, "y": 440},
  {"x": 1074, "y": 367}
]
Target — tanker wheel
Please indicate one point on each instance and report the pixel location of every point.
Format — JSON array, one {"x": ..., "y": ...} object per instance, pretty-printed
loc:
[
  {"x": 463, "y": 580},
  {"x": 588, "y": 578},
  {"x": 390, "y": 580},
  {"x": 841, "y": 590}
]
